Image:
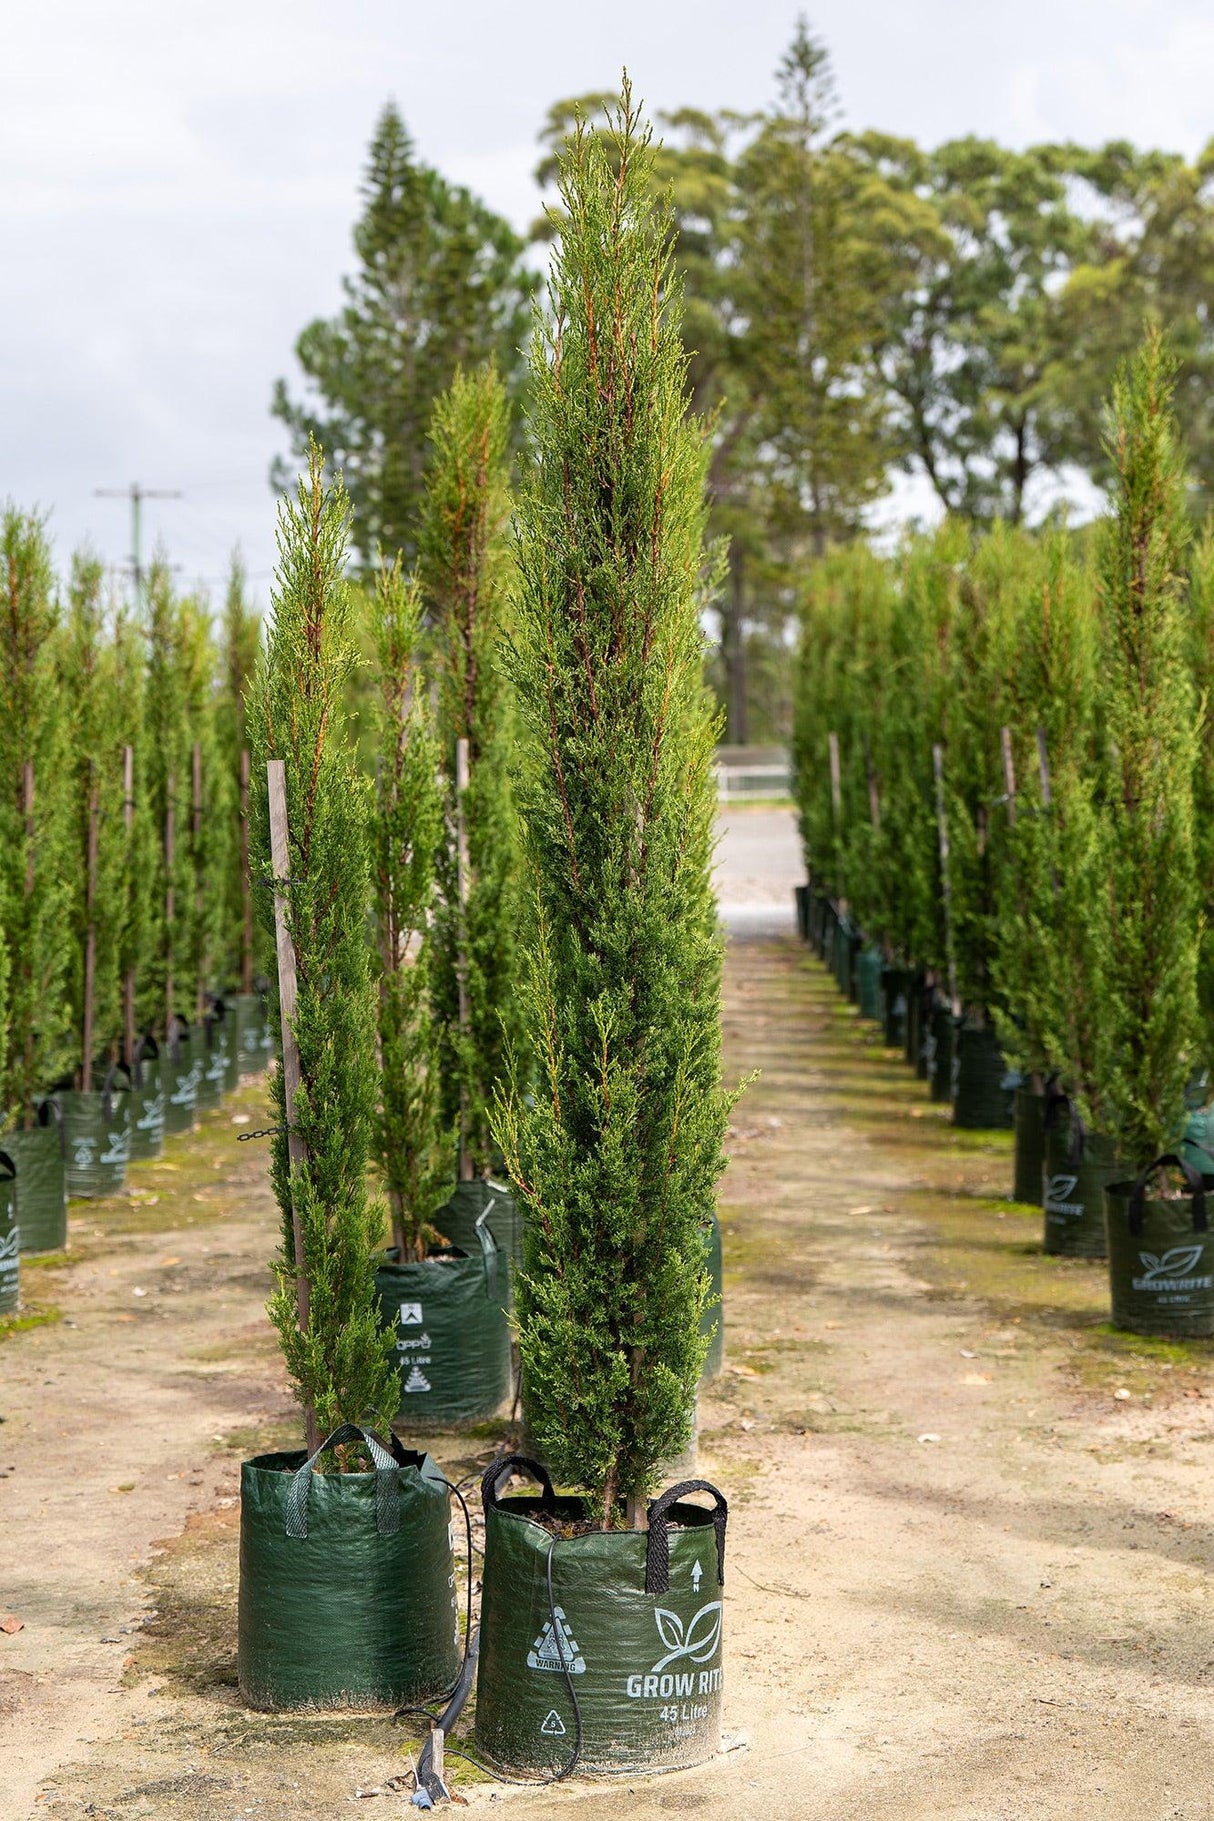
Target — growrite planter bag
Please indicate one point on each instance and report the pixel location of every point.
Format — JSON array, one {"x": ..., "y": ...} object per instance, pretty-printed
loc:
[
  {"x": 97, "y": 1135},
  {"x": 712, "y": 1322},
  {"x": 868, "y": 982},
  {"x": 210, "y": 1043},
  {"x": 452, "y": 1336},
  {"x": 37, "y": 1153},
  {"x": 801, "y": 907},
  {"x": 10, "y": 1239},
  {"x": 893, "y": 1005},
  {"x": 941, "y": 1038},
  {"x": 982, "y": 1088},
  {"x": 347, "y": 1581},
  {"x": 1161, "y": 1255},
  {"x": 1078, "y": 1166},
  {"x": 248, "y": 1022},
  {"x": 912, "y": 1039},
  {"x": 180, "y": 1071},
  {"x": 491, "y": 1201},
  {"x": 1028, "y": 1155},
  {"x": 817, "y": 919},
  {"x": 599, "y": 1651},
  {"x": 830, "y": 923},
  {"x": 147, "y": 1103}
]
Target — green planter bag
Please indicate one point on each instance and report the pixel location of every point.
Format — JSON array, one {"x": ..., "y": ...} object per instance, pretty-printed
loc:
[
  {"x": 1078, "y": 1166},
  {"x": 247, "y": 1013},
  {"x": 894, "y": 982},
  {"x": 982, "y": 1089},
  {"x": 600, "y": 1652},
  {"x": 452, "y": 1337},
  {"x": 37, "y": 1153},
  {"x": 347, "y": 1582},
  {"x": 941, "y": 1037},
  {"x": 211, "y": 1049},
  {"x": 1161, "y": 1255},
  {"x": 1028, "y": 1156},
  {"x": 712, "y": 1322},
  {"x": 913, "y": 1031},
  {"x": 147, "y": 1103},
  {"x": 801, "y": 907},
  {"x": 180, "y": 1070},
  {"x": 868, "y": 982},
  {"x": 817, "y": 919},
  {"x": 10, "y": 1239},
  {"x": 97, "y": 1135},
  {"x": 483, "y": 1198}
]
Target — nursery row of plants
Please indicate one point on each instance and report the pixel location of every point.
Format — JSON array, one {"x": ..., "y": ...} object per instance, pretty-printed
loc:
[
  {"x": 461, "y": 818},
  {"x": 1005, "y": 773}
]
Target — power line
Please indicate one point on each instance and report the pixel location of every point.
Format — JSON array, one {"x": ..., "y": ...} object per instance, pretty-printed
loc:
[{"x": 137, "y": 494}]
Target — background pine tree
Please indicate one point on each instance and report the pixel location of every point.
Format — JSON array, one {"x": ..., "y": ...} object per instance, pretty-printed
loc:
[
  {"x": 341, "y": 1361},
  {"x": 238, "y": 658},
  {"x": 617, "y": 1155}
]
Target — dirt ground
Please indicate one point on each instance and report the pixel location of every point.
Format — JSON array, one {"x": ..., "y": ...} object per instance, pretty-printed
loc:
[{"x": 970, "y": 1533}]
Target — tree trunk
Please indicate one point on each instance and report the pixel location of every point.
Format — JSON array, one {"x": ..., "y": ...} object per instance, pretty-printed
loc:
[{"x": 733, "y": 651}]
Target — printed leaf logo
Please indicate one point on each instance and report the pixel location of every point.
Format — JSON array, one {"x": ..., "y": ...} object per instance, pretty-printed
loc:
[
  {"x": 698, "y": 1642},
  {"x": 1061, "y": 1188},
  {"x": 9, "y": 1244},
  {"x": 1178, "y": 1261}
]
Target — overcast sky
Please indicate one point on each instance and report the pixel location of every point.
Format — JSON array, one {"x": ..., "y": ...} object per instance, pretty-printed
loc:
[{"x": 177, "y": 186}]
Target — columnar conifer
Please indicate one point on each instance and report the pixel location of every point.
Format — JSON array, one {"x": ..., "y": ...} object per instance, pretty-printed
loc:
[
  {"x": 410, "y": 1148},
  {"x": 337, "y": 1353},
  {"x": 463, "y": 571},
  {"x": 617, "y": 1154},
  {"x": 241, "y": 630}
]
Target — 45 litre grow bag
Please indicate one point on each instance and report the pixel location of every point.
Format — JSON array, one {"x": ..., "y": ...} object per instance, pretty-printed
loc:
[
  {"x": 607, "y": 1644},
  {"x": 868, "y": 982},
  {"x": 894, "y": 982},
  {"x": 452, "y": 1338},
  {"x": 1078, "y": 1166},
  {"x": 938, "y": 1052},
  {"x": 97, "y": 1135},
  {"x": 1161, "y": 1254},
  {"x": 484, "y": 1198},
  {"x": 10, "y": 1242},
  {"x": 982, "y": 1092},
  {"x": 347, "y": 1582},
  {"x": 37, "y": 1153},
  {"x": 210, "y": 1041},
  {"x": 248, "y": 1017},
  {"x": 180, "y": 1072},
  {"x": 1028, "y": 1154},
  {"x": 147, "y": 1102}
]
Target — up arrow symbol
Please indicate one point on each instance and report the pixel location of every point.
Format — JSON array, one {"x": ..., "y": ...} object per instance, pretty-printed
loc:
[{"x": 696, "y": 1575}]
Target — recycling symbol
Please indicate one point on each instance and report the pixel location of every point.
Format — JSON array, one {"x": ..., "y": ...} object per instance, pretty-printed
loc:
[{"x": 554, "y": 1726}]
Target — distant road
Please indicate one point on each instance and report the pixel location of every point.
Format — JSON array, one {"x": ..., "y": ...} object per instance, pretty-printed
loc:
[{"x": 758, "y": 864}]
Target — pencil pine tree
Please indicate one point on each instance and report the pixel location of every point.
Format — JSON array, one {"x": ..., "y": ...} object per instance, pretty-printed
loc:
[
  {"x": 1149, "y": 1028},
  {"x": 463, "y": 570},
  {"x": 33, "y": 832},
  {"x": 338, "y": 1354},
  {"x": 164, "y": 981},
  {"x": 241, "y": 631},
  {"x": 410, "y": 1145},
  {"x": 207, "y": 812},
  {"x": 136, "y": 908},
  {"x": 617, "y": 1153}
]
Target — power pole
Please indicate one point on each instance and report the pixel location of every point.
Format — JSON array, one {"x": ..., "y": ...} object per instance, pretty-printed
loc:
[{"x": 137, "y": 494}]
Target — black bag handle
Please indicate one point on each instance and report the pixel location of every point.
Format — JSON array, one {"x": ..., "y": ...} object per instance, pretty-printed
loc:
[
  {"x": 1055, "y": 1100},
  {"x": 387, "y": 1481},
  {"x": 8, "y": 1167},
  {"x": 657, "y": 1553},
  {"x": 107, "y": 1086},
  {"x": 1193, "y": 1182},
  {"x": 180, "y": 1028},
  {"x": 488, "y": 1249},
  {"x": 50, "y": 1112},
  {"x": 516, "y": 1463}
]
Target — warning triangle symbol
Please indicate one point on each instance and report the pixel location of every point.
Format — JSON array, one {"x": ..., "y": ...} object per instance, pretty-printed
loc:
[
  {"x": 556, "y": 1650},
  {"x": 554, "y": 1726}
]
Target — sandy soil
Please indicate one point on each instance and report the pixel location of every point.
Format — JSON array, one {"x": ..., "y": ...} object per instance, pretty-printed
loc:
[{"x": 966, "y": 1578}]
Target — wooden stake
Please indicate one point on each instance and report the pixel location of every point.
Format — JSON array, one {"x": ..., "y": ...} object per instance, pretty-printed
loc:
[
  {"x": 246, "y": 888},
  {"x": 1009, "y": 774},
  {"x": 90, "y": 950},
  {"x": 288, "y": 988},
  {"x": 128, "y": 983},
  {"x": 461, "y": 960},
  {"x": 169, "y": 905},
  {"x": 946, "y": 885}
]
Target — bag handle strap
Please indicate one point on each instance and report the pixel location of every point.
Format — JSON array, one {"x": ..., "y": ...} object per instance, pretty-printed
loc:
[
  {"x": 49, "y": 1111},
  {"x": 488, "y": 1249},
  {"x": 657, "y": 1553},
  {"x": 7, "y": 1167},
  {"x": 1055, "y": 1102},
  {"x": 1193, "y": 1183},
  {"x": 387, "y": 1505},
  {"x": 516, "y": 1463}
]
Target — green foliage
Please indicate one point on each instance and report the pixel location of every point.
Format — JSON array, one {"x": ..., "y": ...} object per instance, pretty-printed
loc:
[
  {"x": 463, "y": 574},
  {"x": 241, "y": 632},
  {"x": 406, "y": 831},
  {"x": 617, "y": 1154},
  {"x": 136, "y": 906},
  {"x": 1149, "y": 1023},
  {"x": 439, "y": 284},
  {"x": 340, "y": 1359},
  {"x": 163, "y": 980},
  {"x": 33, "y": 833}
]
